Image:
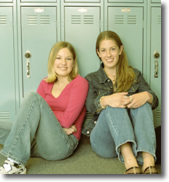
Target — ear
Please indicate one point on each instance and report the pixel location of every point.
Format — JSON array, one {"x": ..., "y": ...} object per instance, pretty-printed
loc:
[
  {"x": 121, "y": 49},
  {"x": 98, "y": 52}
]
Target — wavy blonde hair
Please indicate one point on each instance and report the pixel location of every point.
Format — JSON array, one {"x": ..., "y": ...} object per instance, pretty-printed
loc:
[
  {"x": 125, "y": 74},
  {"x": 52, "y": 77}
]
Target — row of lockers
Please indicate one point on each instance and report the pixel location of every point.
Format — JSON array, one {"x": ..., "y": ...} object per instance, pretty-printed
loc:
[
  {"x": 34, "y": 30},
  {"x": 83, "y": 1}
]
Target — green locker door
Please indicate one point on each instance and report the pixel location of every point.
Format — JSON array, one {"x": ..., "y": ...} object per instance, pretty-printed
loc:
[
  {"x": 156, "y": 58},
  {"x": 7, "y": 66},
  {"x": 82, "y": 26},
  {"x": 128, "y": 23},
  {"x": 38, "y": 36}
]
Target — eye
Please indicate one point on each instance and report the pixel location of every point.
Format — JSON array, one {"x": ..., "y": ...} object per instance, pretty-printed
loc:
[
  {"x": 102, "y": 50},
  {"x": 69, "y": 58},
  {"x": 112, "y": 49},
  {"x": 58, "y": 58}
]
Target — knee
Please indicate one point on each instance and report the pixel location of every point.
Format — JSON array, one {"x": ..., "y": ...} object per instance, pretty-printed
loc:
[
  {"x": 31, "y": 95},
  {"x": 144, "y": 110},
  {"x": 115, "y": 110},
  {"x": 146, "y": 107}
]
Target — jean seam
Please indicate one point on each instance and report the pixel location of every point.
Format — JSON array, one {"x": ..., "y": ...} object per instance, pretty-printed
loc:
[{"x": 112, "y": 123}]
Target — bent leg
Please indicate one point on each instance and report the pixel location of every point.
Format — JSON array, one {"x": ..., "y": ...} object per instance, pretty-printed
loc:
[
  {"x": 35, "y": 120},
  {"x": 121, "y": 129},
  {"x": 144, "y": 130},
  {"x": 101, "y": 139}
]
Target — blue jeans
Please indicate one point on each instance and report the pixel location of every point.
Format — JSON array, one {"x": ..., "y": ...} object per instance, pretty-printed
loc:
[
  {"x": 116, "y": 126},
  {"x": 36, "y": 132}
]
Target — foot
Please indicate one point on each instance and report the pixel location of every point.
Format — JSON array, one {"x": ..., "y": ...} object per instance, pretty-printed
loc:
[
  {"x": 150, "y": 170},
  {"x": 133, "y": 170},
  {"x": 12, "y": 168}
]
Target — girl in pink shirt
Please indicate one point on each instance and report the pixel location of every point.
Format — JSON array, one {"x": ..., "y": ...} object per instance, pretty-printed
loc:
[{"x": 49, "y": 122}]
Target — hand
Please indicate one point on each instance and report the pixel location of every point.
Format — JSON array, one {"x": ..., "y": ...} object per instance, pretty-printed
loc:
[
  {"x": 70, "y": 130},
  {"x": 138, "y": 99},
  {"x": 120, "y": 100}
]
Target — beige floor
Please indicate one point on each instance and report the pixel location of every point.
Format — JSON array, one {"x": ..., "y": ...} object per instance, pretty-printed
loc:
[{"x": 83, "y": 161}]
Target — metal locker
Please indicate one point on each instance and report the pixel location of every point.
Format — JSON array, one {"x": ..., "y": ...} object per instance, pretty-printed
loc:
[
  {"x": 127, "y": 22},
  {"x": 156, "y": 1},
  {"x": 127, "y": 1},
  {"x": 82, "y": 26},
  {"x": 82, "y": 1},
  {"x": 6, "y": 1},
  {"x": 7, "y": 65},
  {"x": 37, "y": 1},
  {"x": 39, "y": 34},
  {"x": 156, "y": 58}
]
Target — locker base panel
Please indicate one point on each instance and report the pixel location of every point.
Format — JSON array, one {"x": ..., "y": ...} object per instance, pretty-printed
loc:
[{"x": 83, "y": 161}]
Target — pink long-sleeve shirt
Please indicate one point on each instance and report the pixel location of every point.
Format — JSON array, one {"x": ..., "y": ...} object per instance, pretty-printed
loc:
[{"x": 69, "y": 108}]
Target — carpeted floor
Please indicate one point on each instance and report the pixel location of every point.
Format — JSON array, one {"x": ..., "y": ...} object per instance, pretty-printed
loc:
[{"x": 83, "y": 161}]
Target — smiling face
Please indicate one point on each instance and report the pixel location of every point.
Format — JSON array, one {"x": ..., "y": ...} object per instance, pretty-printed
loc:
[
  {"x": 64, "y": 63},
  {"x": 109, "y": 53}
]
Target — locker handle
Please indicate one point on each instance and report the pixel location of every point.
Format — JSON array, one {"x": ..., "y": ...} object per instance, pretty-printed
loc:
[
  {"x": 156, "y": 69},
  {"x": 28, "y": 56},
  {"x": 28, "y": 75}
]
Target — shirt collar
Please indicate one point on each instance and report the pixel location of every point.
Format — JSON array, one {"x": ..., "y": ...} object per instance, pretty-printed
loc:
[{"x": 102, "y": 75}]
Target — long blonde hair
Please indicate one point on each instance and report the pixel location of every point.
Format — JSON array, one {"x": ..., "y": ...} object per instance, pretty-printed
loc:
[
  {"x": 52, "y": 77},
  {"x": 124, "y": 73}
]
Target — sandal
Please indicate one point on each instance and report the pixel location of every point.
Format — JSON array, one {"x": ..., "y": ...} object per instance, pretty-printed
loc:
[
  {"x": 133, "y": 170},
  {"x": 150, "y": 170}
]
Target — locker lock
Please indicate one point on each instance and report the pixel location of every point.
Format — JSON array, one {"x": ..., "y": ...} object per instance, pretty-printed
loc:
[
  {"x": 27, "y": 55},
  {"x": 156, "y": 54}
]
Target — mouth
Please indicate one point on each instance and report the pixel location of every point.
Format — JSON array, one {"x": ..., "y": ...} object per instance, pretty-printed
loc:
[
  {"x": 109, "y": 60},
  {"x": 63, "y": 68}
]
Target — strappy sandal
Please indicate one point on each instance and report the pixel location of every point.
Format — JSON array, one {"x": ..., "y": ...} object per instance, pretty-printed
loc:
[
  {"x": 133, "y": 170},
  {"x": 150, "y": 170}
]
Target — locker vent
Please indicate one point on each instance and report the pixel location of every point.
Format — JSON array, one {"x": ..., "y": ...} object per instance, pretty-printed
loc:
[
  {"x": 88, "y": 19},
  {"x": 44, "y": 19},
  {"x": 119, "y": 19},
  {"x": 35, "y": 19},
  {"x": 76, "y": 19},
  {"x": 79, "y": 19},
  {"x": 131, "y": 19},
  {"x": 158, "y": 114},
  {"x": 4, "y": 116},
  {"x": 3, "y": 19},
  {"x": 32, "y": 19},
  {"x": 159, "y": 19}
]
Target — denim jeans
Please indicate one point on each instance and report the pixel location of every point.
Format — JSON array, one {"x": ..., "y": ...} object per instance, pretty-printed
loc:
[
  {"x": 117, "y": 126},
  {"x": 36, "y": 132}
]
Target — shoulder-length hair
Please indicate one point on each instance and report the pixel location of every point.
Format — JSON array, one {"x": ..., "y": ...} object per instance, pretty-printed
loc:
[
  {"x": 52, "y": 77},
  {"x": 124, "y": 73}
]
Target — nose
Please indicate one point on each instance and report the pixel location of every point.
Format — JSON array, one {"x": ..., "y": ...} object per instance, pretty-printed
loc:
[
  {"x": 108, "y": 53},
  {"x": 63, "y": 62}
]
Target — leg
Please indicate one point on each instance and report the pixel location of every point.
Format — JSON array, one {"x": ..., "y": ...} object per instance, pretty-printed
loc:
[
  {"x": 129, "y": 158},
  {"x": 145, "y": 134},
  {"x": 36, "y": 120},
  {"x": 101, "y": 138},
  {"x": 121, "y": 129},
  {"x": 112, "y": 135}
]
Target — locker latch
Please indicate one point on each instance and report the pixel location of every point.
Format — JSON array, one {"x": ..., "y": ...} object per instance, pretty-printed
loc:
[
  {"x": 156, "y": 56},
  {"x": 28, "y": 56},
  {"x": 156, "y": 69}
]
